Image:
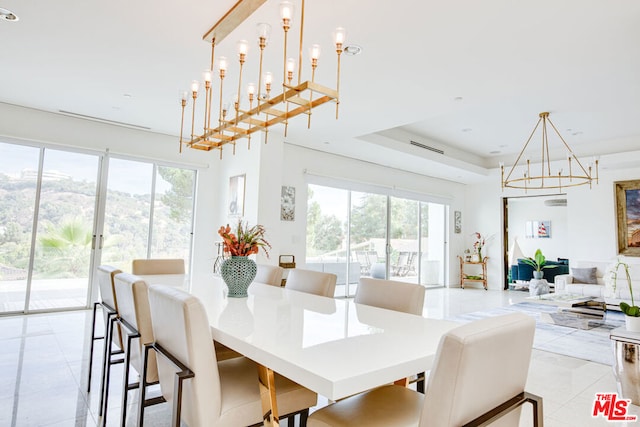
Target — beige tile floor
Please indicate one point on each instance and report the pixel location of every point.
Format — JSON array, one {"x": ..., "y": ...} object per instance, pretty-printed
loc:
[{"x": 43, "y": 363}]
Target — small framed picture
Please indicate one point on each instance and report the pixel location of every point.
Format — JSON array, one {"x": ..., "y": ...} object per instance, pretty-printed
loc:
[
  {"x": 543, "y": 229},
  {"x": 457, "y": 222},
  {"x": 538, "y": 229},
  {"x": 288, "y": 203},
  {"x": 236, "y": 195}
]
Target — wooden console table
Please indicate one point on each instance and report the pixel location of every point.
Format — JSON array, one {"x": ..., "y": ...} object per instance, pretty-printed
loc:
[{"x": 464, "y": 277}]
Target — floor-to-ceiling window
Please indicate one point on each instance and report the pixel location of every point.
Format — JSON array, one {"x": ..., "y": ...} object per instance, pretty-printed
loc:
[
  {"x": 64, "y": 211},
  {"x": 384, "y": 236},
  {"x": 368, "y": 233},
  {"x": 148, "y": 212},
  {"x": 47, "y": 209},
  {"x": 18, "y": 189},
  {"x": 404, "y": 232}
]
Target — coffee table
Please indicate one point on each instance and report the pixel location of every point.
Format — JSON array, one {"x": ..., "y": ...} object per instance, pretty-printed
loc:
[{"x": 574, "y": 311}]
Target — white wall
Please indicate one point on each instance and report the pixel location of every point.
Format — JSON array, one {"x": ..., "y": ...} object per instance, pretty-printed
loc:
[
  {"x": 482, "y": 214},
  {"x": 526, "y": 209},
  {"x": 271, "y": 167},
  {"x": 591, "y": 218}
]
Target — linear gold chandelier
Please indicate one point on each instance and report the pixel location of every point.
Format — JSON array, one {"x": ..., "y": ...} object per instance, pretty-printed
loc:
[
  {"x": 574, "y": 174},
  {"x": 260, "y": 108}
]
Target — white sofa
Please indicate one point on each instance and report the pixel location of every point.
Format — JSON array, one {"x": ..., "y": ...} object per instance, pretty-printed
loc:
[
  {"x": 595, "y": 288},
  {"x": 603, "y": 286}
]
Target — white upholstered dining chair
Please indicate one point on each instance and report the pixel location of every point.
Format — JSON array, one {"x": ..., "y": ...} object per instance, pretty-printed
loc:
[
  {"x": 393, "y": 295},
  {"x": 312, "y": 282},
  {"x": 479, "y": 374},
  {"x": 135, "y": 317},
  {"x": 157, "y": 266},
  {"x": 112, "y": 336},
  {"x": 224, "y": 393},
  {"x": 269, "y": 274}
]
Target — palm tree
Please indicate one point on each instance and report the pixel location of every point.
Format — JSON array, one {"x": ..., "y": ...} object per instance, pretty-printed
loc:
[{"x": 66, "y": 248}]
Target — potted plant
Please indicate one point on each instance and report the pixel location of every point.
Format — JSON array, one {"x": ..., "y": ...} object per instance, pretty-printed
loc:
[
  {"x": 632, "y": 312},
  {"x": 538, "y": 263},
  {"x": 238, "y": 271}
]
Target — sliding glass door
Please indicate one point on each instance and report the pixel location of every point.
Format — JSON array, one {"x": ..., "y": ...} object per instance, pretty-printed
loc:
[
  {"x": 48, "y": 221},
  {"x": 368, "y": 233},
  {"x": 386, "y": 237},
  {"x": 53, "y": 231},
  {"x": 404, "y": 239},
  {"x": 127, "y": 212},
  {"x": 148, "y": 212},
  {"x": 18, "y": 191}
]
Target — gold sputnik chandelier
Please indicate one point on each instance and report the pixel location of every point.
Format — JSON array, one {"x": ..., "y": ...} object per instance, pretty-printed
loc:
[
  {"x": 260, "y": 109},
  {"x": 524, "y": 176}
]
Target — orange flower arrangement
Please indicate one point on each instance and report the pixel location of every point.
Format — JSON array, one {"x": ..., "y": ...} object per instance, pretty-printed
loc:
[{"x": 245, "y": 241}]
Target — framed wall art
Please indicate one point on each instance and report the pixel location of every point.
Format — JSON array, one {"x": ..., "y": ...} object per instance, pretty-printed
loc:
[
  {"x": 288, "y": 203},
  {"x": 236, "y": 195},
  {"x": 457, "y": 222},
  {"x": 538, "y": 229},
  {"x": 628, "y": 217}
]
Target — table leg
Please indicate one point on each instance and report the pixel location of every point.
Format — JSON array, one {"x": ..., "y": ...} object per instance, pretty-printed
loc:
[{"x": 270, "y": 414}]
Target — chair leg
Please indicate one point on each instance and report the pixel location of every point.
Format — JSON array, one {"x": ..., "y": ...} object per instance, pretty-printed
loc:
[
  {"x": 304, "y": 415},
  {"x": 184, "y": 373},
  {"x": 536, "y": 401},
  {"x": 106, "y": 375},
  {"x": 143, "y": 386},
  {"x": 420, "y": 382},
  {"x": 93, "y": 339},
  {"x": 106, "y": 359},
  {"x": 125, "y": 377}
]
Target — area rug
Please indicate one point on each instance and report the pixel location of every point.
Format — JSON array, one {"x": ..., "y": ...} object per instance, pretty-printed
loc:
[{"x": 589, "y": 344}]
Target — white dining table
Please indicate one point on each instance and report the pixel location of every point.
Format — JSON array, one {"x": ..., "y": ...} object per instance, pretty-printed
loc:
[{"x": 332, "y": 346}]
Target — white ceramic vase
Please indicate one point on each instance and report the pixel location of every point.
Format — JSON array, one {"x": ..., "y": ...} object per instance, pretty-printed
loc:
[{"x": 632, "y": 323}]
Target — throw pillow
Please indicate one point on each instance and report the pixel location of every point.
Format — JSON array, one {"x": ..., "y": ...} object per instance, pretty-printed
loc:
[{"x": 584, "y": 275}]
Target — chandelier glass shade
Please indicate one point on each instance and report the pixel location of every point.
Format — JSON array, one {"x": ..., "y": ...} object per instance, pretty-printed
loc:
[
  {"x": 255, "y": 108},
  {"x": 540, "y": 176}
]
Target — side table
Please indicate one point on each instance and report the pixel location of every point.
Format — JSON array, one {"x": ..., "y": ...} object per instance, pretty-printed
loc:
[
  {"x": 479, "y": 278},
  {"x": 626, "y": 365}
]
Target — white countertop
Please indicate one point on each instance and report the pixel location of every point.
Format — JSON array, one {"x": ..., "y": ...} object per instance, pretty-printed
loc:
[{"x": 332, "y": 346}]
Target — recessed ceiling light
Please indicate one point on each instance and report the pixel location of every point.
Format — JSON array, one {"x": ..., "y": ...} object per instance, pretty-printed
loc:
[
  {"x": 578, "y": 132},
  {"x": 503, "y": 145},
  {"x": 458, "y": 98},
  {"x": 326, "y": 142},
  {"x": 495, "y": 152},
  {"x": 467, "y": 130},
  {"x": 7, "y": 15},
  {"x": 352, "y": 49},
  {"x": 128, "y": 95}
]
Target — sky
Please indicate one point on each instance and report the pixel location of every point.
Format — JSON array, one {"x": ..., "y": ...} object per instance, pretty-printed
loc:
[{"x": 128, "y": 176}]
